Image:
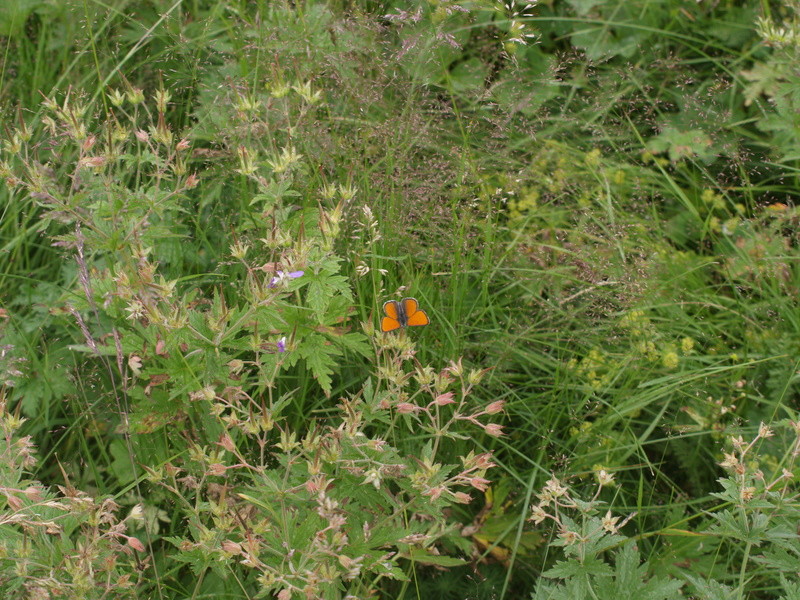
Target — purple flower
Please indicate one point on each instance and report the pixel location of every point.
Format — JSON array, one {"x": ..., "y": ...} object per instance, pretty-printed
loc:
[
  {"x": 282, "y": 276},
  {"x": 281, "y": 344}
]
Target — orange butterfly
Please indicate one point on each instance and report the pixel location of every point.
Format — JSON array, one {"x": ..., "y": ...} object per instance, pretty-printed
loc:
[{"x": 403, "y": 313}]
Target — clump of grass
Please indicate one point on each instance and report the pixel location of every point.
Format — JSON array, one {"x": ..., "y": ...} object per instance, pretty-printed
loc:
[{"x": 599, "y": 217}]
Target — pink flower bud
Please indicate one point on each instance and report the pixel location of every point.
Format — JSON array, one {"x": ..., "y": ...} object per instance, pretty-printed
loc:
[
  {"x": 495, "y": 407},
  {"x": 434, "y": 492},
  {"x": 192, "y": 181},
  {"x": 232, "y": 547},
  {"x": 33, "y": 493},
  {"x": 217, "y": 469},
  {"x": 493, "y": 429},
  {"x": 227, "y": 442},
  {"x": 444, "y": 399},
  {"x": 484, "y": 461},
  {"x": 405, "y": 408},
  {"x": 479, "y": 483},
  {"x": 92, "y": 161},
  {"x": 136, "y": 544},
  {"x": 462, "y": 498},
  {"x": 142, "y": 135}
]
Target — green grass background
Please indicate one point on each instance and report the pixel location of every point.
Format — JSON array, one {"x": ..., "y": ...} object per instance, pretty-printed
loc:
[{"x": 602, "y": 216}]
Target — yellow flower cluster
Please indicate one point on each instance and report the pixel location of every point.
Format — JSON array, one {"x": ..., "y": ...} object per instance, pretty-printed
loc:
[
  {"x": 596, "y": 368},
  {"x": 644, "y": 333},
  {"x": 519, "y": 209},
  {"x": 716, "y": 202}
]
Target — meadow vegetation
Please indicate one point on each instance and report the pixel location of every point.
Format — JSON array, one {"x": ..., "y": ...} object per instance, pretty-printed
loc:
[{"x": 205, "y": 203}]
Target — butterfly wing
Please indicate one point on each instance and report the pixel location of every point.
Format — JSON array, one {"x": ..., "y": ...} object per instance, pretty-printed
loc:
[
  {"x": 414, "y": 315},
  {"x": 418, "y": 318},
  {"x": 392, "y": 319},
  {"x": 389, "y": 324},
  {"x": 410, "y": 306}
]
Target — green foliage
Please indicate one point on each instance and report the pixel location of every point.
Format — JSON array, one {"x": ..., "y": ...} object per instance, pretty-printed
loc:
[
  {"x": 206, "y": 203},
  {"x": 67, "y": 544},
  {"x": 347, "y": 505},
  {"x": 627, "y": 580},
  {"x": 12, "y": 21},
  {"x": 584, "y": 540}
]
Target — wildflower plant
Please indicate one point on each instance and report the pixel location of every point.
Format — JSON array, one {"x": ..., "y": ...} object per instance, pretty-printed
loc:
[
  {"x": 341, "y": 506},
  {"x": 157, "y": 329},
  {"x": 585, "y": 533},
  {"x": 307, "y": 509},
  {"x": 773, "y": 78},
  {"x": 758, "y": 515},
  {"x": 60, "y": 545},
  {"x": 597, "y": 207}
]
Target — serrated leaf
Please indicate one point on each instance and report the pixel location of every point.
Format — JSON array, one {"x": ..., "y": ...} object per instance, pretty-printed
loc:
[
  {"x": 712, "y": 590},
  {"x": 791, "y": 589},
  {"x": 630, "y": 580},
  {"x": 626, "y": 581},
  {"x": 572, "y": 568},
  {"x": 319, "y": 294},
  {"x": 680, "y": 144},
  {"x": 356, "y": 342},
  {"x": 779, "y": 560},
  {"x": 733, "y": 525},
  {"x": 317, "y": 352}
]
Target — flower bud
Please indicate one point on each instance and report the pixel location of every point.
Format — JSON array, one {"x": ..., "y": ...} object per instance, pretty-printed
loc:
[
  {"x": 444, "y": 399},
  {"x": 495, "y": 407},
  {"x": 493, "y": 429}
]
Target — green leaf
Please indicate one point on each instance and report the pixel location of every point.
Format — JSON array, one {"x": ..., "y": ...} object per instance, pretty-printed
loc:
[
  {"x": 121, "y": 464},
  {"x": 355, "y": 342},
  {"x": 792, "y": 588},
  {"x": 197, "y": 558},
  {"x": 469, "y": 76},
  {"x": 317, "y": 352},
  {"x": 422, "y": 556},
  {"x": 683, "y": 144},
  {"x": 574, "y": 589},
  {"x": 734, "y": 27},
  {"x": 573, "y": 568},
  {"x": 779, "y": 560},
  {"x": 712, "y": 590},
  {"x": 274, "y": 192},
  {"x": 626, "y": 581},
  {"x": 730, "y": 524},
  {"x": 526, "y": 88},
  {"x": 630, "y": 581}
]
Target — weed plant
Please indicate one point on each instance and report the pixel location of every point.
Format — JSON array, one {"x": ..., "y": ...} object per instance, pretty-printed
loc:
[{"x": 206, "y": 203}]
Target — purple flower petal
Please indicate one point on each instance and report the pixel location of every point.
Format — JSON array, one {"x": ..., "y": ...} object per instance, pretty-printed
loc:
[{"x": 281, "y": 276}]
